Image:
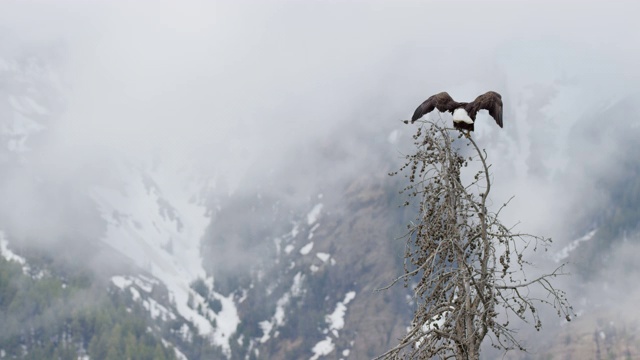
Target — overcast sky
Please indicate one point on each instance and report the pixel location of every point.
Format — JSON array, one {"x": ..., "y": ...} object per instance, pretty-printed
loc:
[{"x": 233, "y": 75}]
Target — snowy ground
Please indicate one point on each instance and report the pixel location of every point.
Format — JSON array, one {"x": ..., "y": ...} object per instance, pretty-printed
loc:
[
  {"x": 565, "y": 251},
  {"x": 335, "y": 323},
  {"x": 155, "y": 218},
  {"x": 6, "y": 253}
]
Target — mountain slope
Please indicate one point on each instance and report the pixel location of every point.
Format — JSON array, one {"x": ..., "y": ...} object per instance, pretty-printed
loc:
[{"x": 185, "y": 253}]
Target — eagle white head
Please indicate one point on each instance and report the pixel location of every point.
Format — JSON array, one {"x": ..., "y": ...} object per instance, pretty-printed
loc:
[{"x": 461, "y": 115}]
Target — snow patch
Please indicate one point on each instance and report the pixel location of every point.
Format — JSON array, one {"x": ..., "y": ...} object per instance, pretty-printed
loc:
[
  {"x": 266, "y": 327},
  {"x": 313, "y": 229},
  {"x": 564, "y": 252},
  {"x": 158, "y": 311},
  {"x": 296, "y": 288},
  {"x": 306, "y": 249},
  {"x": 145, "y": 284},
  {"x": 323, "y": 256},
  {"x": 294, "y": 232},
  {"x": 227, "y": 321},
  {"x": 8, "y": 254},
  {"x": 335, "y": 322},
  {"x": 185, "y": 333},
  {"x": 278, "y": 317},
  {"x": 153, "y": 219},
  {"x": 179, "y": 354},
  {"x": 336, "y": 319},
  {"x": 134, "y": 293},
  {"x": 313, "y": 215},
  {"x": 289, "y": 248},
  {"x": 322, "y": 348},
  {"x": 349, "y": 296}
]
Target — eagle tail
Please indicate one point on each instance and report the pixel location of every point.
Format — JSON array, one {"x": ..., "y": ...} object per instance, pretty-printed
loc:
[{"x": 463, "y": 126}]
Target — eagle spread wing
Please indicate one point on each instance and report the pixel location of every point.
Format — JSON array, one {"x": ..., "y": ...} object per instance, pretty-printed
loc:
[
  {"x": 490, "y": 101},
  {"x": 442, "y": 101}
]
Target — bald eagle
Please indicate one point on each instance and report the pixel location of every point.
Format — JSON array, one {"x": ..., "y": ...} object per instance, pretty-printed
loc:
[{"x": 464, "y": 114}]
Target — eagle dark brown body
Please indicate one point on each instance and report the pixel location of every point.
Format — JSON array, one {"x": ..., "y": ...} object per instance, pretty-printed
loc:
[{"x": 464, "y": 114}]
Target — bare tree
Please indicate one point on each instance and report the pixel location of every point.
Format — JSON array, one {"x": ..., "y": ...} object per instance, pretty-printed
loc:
[{"x": 466, "y": 268}]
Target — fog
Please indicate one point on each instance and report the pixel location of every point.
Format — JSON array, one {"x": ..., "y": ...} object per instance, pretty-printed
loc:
[
  {"x": 228, "y": 78},
  {"x": 235, "y": 91}
]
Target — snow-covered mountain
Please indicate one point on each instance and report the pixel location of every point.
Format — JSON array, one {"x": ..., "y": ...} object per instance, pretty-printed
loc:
[
  {"x": 236, "y": 234},
  {"x": 173, "y": 225}
]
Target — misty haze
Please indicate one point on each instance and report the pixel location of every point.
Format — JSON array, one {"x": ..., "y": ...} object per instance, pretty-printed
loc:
[{"x": 209, "y": 179}]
